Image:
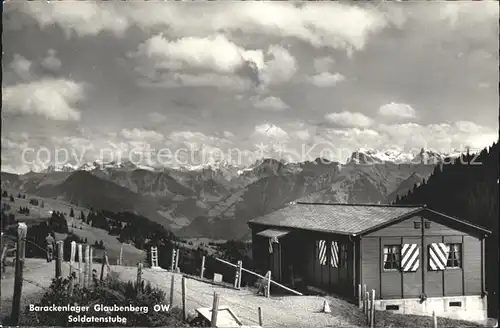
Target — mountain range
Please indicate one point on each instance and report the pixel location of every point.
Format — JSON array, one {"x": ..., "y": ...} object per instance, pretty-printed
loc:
[{"x": 216, "y": 199}]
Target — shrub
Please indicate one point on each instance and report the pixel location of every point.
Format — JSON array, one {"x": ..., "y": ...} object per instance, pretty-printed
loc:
[{"x": 110, "y": 292}]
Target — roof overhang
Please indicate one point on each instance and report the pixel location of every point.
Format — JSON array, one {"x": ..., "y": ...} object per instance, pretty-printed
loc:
[
  {"x": 432, "y": 212},
  {"x": 273, "y": 233}
]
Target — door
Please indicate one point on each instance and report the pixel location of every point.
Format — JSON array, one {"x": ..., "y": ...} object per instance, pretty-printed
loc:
[
  {"x": 275, "y": 262},
  {"x": 412, "y": 265}
]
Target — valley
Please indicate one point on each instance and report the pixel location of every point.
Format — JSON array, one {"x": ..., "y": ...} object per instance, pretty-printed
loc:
[{"x": 216, "y": 201}]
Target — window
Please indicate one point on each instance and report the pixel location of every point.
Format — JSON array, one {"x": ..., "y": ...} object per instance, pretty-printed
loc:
[
  {"x": 454, "y": 256},
  {"x": 343, "y": 255},
  {"x": 391, "y": 257}
]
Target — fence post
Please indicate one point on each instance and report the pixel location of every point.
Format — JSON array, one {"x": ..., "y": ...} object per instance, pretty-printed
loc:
[
  {"x": 71, "y": 284},
  {"x": 237, "y": 276},
  {"x": 172, "y": 265},
  {"x": 4, "y": 255},
  {"x": 154, "y": 256},
  {"x": 260, "y": 316},
  {"x": 202, "y": 271},
  {"x": 363, "y": 298},
  {"x": 372, "y": 310},
  {"x": 184, "y": 314},
  {"x": 72, "y": 258},
  {"x": 80, "y": 265},
  {"x": 139, "y": 278},
  {"x": 172, "y": 286},
  {"x": 18, "y": 280},
  {"x": 86, "y": 266},
  {"x": 120, "y": 259},
  {"x": 360, "y": 296},
  {"x": 240, "y": 267},
  {"x": 367, "y": 311},
  {"x": 102, "y": 266},
  {"x": 59, "y": 258},
  {"x": 434, "y": 320},
  {"x": 177, "y": 261},
  {"x": 91, "y": 264},
  {"x": 215, "y": 309},
  {"x": 268, "y": 284},
  {"x": 107, "y": 264}
]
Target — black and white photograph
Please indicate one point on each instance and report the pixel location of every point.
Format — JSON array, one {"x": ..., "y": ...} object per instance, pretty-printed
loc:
[{"x": 250, "y": 164}]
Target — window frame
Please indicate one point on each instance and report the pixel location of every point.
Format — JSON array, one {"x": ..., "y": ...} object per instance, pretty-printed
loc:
[
  {"x": 459, "y": 259},
  {"x": 397, "y": 259}
]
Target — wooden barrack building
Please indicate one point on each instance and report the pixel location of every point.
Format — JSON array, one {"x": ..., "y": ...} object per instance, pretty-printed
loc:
[{"x": 416, "y": 259}]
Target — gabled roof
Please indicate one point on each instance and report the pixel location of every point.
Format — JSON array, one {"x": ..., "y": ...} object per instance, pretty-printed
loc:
[{"x": 346, "y": 219}]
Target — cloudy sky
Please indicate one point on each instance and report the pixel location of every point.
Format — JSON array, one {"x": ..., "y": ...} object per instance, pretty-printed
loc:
[{"x": 290, "y": 80}]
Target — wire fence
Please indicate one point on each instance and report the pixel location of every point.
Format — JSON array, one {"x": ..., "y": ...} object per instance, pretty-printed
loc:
[
  {"x": 70, "y": 267},
  {"x": 194, "y": 297},
  {"x": 202, "y": 303}
]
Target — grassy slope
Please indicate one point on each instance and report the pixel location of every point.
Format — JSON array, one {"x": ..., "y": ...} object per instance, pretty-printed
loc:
[
  {"x": 130, "y": 254},
  {"x": 284, "y": 311}
]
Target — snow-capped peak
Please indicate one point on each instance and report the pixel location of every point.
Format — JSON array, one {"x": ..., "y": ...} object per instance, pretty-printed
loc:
[
  {"x": 424, "y": 156},
  {"x": 216, "y": 165},
  {"x": 61, "y": 168},
  {"x": 117, "y": 165}
]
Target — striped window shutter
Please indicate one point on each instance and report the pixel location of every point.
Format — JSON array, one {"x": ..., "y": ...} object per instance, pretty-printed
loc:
[
  {"x": 334, "y": 252},
  {"x": 410, "y": 257},
  {"x": 438, "y": 255},
  {"x": 322, "y": 252}
]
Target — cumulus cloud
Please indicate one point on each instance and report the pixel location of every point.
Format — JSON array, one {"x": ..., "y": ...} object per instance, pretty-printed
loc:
[
  {"x": 397, "y": 110},
  {"x": 22, "y": 67},
  {"x": 453, "y": 13},
  {"x": 349, "y": 119},
  {"x": 444, "y": 137},
  {"x": 215, "y": 53},
  {"x": 323, "y": 64},
  {"x": 271, "y": 104},
  {"x": 349, "y": 137},
  {"x": 158, "y": 122},
  {"x": 280, "y": 67},
  {"x": 270, "y": 130},
  {"x": 325, "y": 79},
  {"x": 196, "y": 138},
  {"x": 141, "y": 135},
  {"x": 51, "y": 63},
  {"x": 211, "y": 61},
  {"x": 52, "y": 98},
  {"x": 309, "y": 22},
  {"x": 80, "y": 18},
  {"x": 197, "y": 147},
  {"x": 12, "y": 144}
]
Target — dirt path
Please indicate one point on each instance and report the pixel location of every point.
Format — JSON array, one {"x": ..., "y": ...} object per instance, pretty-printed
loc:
[{"x": 288, "y": 311}]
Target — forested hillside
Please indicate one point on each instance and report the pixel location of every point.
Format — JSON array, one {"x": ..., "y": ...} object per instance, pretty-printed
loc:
[{"x": 468, "y": 189}]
